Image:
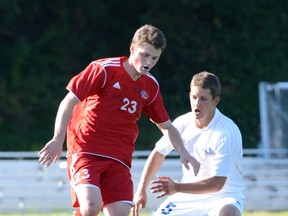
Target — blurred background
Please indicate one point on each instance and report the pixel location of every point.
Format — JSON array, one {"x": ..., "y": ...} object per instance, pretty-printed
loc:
[{"x": 44, "y": 43}]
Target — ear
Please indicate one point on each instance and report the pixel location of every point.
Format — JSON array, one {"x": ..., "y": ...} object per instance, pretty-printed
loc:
[
  {"x": 217, "y": 100},
  {"x": 132, "y": 48}
]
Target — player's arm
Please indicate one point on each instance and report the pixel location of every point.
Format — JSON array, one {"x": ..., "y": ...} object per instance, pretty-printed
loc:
[
  {"x": 177, "y": 143},
  {"x": 53, "y": 149},
  {"x": 166, "y": 186},
  {"x": 152, "y": 165}
]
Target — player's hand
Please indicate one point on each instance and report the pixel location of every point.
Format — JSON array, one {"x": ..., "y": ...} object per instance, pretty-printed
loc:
[
  {"x": 163, "y": 185},
  {"x": 140, "y": 201},
  {"x": 51, "y": 152},
  {"x": 186, "y": 158}
]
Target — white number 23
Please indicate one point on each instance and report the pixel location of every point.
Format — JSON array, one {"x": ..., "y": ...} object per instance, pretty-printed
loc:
[{"x": 129, "y": 106}]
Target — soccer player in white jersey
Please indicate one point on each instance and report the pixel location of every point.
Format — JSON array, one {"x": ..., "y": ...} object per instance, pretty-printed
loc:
[
  {"x": 100, "y": 114},
  {"x": 215, "y": 141}
]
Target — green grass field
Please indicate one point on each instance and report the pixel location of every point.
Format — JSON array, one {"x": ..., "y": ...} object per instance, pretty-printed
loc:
[{"x": 258, "y": 213}]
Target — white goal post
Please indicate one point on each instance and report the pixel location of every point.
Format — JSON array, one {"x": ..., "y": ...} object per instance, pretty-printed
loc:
[{"x": 273, "y": 104}]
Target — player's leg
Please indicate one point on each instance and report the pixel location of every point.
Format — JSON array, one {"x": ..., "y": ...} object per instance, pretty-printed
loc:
[
  {"x": 117, "y": 209},
  {"x": 226, "y": 206},
  {"x": 84, "y": 172},
  {"x": 89, "y": 198},
  {"x": 229, "y": 210},
  {"x": 117, "y": 190}
]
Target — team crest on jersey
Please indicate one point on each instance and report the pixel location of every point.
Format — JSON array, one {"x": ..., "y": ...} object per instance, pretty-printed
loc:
[
  {"x": 144, "y": 94},
  {"x": 209, "y": 152}
]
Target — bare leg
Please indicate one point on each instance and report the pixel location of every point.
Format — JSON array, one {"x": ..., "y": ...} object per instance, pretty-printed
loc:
[
  {"x": 229, "y": 210},
  {"x": 117, "y": 209},
  {"x": 90, "y": 200}
]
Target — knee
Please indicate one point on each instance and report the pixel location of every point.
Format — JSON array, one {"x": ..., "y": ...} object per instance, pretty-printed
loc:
[
  {"x": 90, "y": 209},
  {"x": 229, "y": 210}
]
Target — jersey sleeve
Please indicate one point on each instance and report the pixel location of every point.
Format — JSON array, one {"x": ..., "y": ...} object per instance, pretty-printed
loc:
[
  {"x": 163, "y": 145},
  {"x": 156, "y": 110},
  {"x": 87, "y": 82}
]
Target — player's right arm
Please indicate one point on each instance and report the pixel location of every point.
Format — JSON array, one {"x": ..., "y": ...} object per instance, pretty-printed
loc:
[
  {"x": 176, "y": 141},
  {"x": 152, "y": 165},
  {"x": 53, "y": 149}
]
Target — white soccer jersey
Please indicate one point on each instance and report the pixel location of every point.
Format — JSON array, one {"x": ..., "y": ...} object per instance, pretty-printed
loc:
[{"x": 218, "y": 148}]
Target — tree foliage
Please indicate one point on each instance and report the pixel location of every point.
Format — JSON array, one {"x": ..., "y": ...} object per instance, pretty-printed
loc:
[{"x": 44, "y": 43}]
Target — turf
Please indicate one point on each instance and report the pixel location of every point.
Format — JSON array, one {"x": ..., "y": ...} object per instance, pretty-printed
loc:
[{"x": 256, "y": 213}]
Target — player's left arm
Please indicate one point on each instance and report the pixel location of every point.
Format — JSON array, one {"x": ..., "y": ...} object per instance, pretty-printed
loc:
[{"x": 166, "y": 186}]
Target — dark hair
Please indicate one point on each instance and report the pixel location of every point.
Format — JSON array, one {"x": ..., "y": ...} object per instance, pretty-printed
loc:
[{"x": 207, "y": 80}]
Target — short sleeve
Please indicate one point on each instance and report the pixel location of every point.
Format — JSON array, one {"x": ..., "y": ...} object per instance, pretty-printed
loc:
[
  {"x": 156, "y": 110},
  {"x": 163, "y": 146},
  {"x": 87, "y": 82}
]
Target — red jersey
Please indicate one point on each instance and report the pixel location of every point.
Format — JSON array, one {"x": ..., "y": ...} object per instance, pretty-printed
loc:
[{"x": 105, "y": 122}]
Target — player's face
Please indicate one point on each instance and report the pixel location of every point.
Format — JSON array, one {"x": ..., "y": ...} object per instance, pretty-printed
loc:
[
  {"x": 144, "y": 57},
  {"x": 203, "y": 106}
]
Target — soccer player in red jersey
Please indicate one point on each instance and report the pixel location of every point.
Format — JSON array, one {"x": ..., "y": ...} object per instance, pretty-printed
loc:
[{"x": 99, "y": 115}]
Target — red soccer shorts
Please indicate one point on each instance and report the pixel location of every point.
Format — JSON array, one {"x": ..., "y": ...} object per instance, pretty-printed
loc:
[{"x": 113, "y": 178}]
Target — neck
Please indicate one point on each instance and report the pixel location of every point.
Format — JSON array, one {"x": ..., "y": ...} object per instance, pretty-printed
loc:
[
  {"x": 204, "y": 122},
  {"x": 133, "y": 73},
  {"x": 200, "y": 124}
]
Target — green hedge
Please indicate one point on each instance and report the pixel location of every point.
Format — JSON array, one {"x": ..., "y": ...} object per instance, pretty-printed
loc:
[{"x": 44, "y": 43}]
